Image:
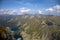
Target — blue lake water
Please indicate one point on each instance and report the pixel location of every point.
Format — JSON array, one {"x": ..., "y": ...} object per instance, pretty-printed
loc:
[
  {"x": 14, "y": 28},
  {"x": 16, "y": 35}
]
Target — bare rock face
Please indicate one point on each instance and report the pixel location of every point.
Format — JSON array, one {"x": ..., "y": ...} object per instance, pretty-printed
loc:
[
  {"x": 55, "y": 35},
  {"x": 4, "y": 34}
]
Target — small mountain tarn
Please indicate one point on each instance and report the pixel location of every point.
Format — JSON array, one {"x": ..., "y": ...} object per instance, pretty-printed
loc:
[
  {"x": 19, "y": 37},
  {"x": 49, "y": 23}
]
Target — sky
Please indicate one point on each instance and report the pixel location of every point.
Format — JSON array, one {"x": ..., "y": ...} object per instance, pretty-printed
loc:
[{"x": 28, "y": 6}]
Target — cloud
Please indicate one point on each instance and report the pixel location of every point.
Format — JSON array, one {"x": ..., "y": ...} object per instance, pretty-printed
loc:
[
  {"x": 57, "y": 7},
  {"x": 49, "y": 9},
  {"x": 5, "y": 11},
  {"x": 23, "y": 10},
  {"x": 55, "y": 10},
  {"x": 15, "y": 12},
  {"x": 39, "y": 11}
]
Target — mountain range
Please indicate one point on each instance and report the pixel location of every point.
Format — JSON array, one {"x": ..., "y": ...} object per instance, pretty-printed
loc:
[{"x": 33, "y": 27}]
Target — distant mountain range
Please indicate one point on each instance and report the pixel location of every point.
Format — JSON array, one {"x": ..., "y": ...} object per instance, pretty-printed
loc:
[
  {"x": 18, "y": 19},
  {"x": 31, "y": 27}
]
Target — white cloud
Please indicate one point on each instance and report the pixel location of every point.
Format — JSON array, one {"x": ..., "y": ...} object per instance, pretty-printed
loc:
[
  {"x": 23, "y": 10},
  {"x": 57, "y": 6},
  {"x": 49, "y": 9},
  {"x": 55, "y": 10},
  {"x": 39, "y": 11},
  {"x": 13, "y": 12},
  {"x": 5, "y": 11}
]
